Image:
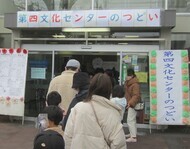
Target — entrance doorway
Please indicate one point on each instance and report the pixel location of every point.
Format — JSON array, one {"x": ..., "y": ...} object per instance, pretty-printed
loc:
[
  {"x": 140, "y": 63},
  {"x": 52, "y": 63},
  {"x": 39, "y": 72},
  {"x": 43, "y": 66}
]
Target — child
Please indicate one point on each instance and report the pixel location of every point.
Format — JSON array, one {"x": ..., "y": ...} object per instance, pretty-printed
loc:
[
  {"x": 49, "y": 140},
  {"x": 54, "y": 117},
  {"x": 118, "y": 98},
  {"x": 54, "y": 98},
  {"x": 52, "y": 136}
]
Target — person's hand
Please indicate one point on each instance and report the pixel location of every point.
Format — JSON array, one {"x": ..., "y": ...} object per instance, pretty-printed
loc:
[
  {"x": 127, "y": 106},
  {"x": 64, "y": 112}
]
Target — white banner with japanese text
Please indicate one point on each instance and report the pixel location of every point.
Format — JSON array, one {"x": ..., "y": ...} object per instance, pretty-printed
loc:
[
  {"x": 90, "y": 18},
  {"x": 169, "y": 87}
]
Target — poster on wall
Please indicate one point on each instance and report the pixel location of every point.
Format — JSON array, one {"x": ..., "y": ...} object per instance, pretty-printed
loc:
[
  {"x": 38, "y": 73},
  {"x": 169, "y": 87},
  {"x": 13, "y": 65}
]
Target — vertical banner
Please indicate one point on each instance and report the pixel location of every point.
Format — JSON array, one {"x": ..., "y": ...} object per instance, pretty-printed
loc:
[
  {"x": 125, "y": 61},
  {"x": 169, "y": 87},
  {"x": 13, "y": 65},
  {"x": 124, "y": 72}
]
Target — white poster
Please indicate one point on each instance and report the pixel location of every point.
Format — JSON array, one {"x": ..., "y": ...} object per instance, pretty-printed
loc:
[
  {"x": 13, "y": 64},
  {"x": 38, "y": 73},
  {"x": 169, "y": 87}
]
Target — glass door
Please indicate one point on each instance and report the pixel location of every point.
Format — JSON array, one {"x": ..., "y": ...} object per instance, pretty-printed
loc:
[
  {"x": 139, "y": 62},
  {"x": 39, "y": 72}
]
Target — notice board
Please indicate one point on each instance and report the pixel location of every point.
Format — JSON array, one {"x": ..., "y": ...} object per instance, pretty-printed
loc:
[
  {"x": 169, "y": 87},
  {"x": 13, "y": 66}
]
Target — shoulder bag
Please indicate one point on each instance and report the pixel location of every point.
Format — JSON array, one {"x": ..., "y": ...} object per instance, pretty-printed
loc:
[
  {"x": 139, "y": 106},
  {"x": 98, "y": 121}
]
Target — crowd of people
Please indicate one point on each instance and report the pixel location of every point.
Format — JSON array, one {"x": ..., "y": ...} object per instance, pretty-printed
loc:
[{"x": 84, "y": 111}]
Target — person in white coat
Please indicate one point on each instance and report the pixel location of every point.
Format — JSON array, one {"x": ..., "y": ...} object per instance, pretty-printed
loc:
[
  {"x": 118, "y": 97},
  {"x": 95, "y": 123}
]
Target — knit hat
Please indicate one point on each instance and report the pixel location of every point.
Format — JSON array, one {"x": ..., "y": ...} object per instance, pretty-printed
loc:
[
  {"x": 73, "y": 63},
  {"x": 130, "y": 72},
  {"x": 80, "y": 79},
  {"x": 49, "y": 139}
]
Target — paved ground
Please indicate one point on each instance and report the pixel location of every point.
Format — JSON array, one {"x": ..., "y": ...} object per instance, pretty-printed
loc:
[
  {"x": 162, "y": 141},
  {"x": 16, "y": 136},
  {"x": 13, "y": 135},
  {"x": 175, "y": 137}
]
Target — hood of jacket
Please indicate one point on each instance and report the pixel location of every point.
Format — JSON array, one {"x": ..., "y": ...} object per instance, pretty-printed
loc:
[
  {"x": 81, "y": 94},
  {"x": 132, "y": 81},
  {"x": 102, "y": 101}
]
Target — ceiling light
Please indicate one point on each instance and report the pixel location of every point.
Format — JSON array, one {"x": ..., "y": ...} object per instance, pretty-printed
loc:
[
  {"x": 96, "y": 36},
  {"x": 131, "y": 36},
  {"x": 86, "y": 29},
  {"x": 58, "y": 36}
]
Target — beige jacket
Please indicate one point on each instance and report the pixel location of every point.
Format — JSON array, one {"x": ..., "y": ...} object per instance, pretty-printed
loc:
[
  {"x": 63, "y": 84},
  {"x": 83, "y": 131}
]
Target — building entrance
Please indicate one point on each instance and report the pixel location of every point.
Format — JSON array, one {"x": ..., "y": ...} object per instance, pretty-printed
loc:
[{"x": 45, "y": 64}]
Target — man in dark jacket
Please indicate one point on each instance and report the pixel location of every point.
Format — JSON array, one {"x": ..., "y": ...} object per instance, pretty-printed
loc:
[{"x": 81, "y": 83}]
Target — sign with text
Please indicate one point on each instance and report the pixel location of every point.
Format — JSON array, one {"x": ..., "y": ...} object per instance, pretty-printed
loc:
[
  {"x": 38, "y": 73},
  {"x": 90, "y": 18},
  {"x": 13, "y": 65},
  {"x": 169, "y": 87}
]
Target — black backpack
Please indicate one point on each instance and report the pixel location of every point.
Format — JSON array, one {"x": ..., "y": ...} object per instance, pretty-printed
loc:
[{"x": 49, "y": 139}]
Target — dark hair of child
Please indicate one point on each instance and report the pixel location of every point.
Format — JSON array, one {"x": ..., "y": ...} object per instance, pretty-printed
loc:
[
  {"x": 53, "y": 98},
  {"x": 54, "y": 113},
  {"x": 118, "y": 91}
]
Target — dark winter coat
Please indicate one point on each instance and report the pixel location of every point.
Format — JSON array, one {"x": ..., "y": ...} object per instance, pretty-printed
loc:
[{"x": 78, "y": 98}]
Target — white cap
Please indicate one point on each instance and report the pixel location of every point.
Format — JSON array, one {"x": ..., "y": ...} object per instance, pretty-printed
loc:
[{"x": 73, "y": 63}]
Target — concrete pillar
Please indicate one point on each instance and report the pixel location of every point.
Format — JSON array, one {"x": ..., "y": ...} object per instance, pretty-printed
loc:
[
  {"x": 15, "y": 43},
  {"x": 166, "y": 34}
]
